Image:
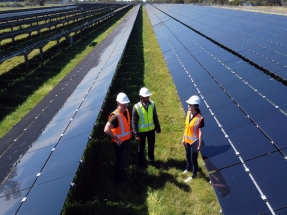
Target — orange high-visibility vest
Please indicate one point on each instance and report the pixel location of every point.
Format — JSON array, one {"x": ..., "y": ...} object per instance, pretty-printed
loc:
[
  {"x": 191, "y": 131},
  {"x": 123, "y": 131}
]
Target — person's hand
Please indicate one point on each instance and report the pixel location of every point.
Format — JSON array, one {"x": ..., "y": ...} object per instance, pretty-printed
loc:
[
  {"x": 183, "y": 143},
  {"x": 199, "y": 148},
  {"x": 157, "y": 130},
  {"x": 138, "y": 138},
  {"x": 119, "y": 142}
]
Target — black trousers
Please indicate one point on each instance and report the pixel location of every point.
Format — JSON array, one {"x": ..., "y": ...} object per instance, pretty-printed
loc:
[
  {"x": 150, "y": 136},
  {"x": 191, "y": 158},
  {"x": 121, "y": 152}
]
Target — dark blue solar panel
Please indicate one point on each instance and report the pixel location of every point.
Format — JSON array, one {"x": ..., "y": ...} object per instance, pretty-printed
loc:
[
  {"x": 282, "y": 73},
  {"x": 24, "y": 174},
  {"x": 275, "y": 133},
  {"x": 236, "y": 191},
  {"x": 217, "y": 99},
  {"x": 51, "y": 135},
  {"x": 181, "y": 79},
  {"x": 247, "y": 72},
  {"x": 227, "y": 79},
  {"x": 47, "y": 198},
  {"x": 249, "y": 141},
  {"x": 242, "y": 82},
  {"x": 230, "y": 116},
  {"x": 240, "y": 91},
  {"x": 219, "y": 152},
  {"x": 283, "y": 62},
  {"x": 264, "y": 83},
  {"x": 276, "y": 57},
  {"x": 168, "y": 55},
  {"x": 275, "y": 95},
  {"x": 280, "y": 211},
  {"x": 64, "y": 159},
  {"x": 208, "y": 86},
  {"x": 274, "y": 67},
  {"x": 198, "y": 74},
  {"x": 263, "y": 62},
  {"x": 272, "y": 182},
  {"x": 235, "y": 64},
  {"x": 11, "y": 202},
  {"x": 211, "y": 126},
  {"x": 257, "y": 107}
]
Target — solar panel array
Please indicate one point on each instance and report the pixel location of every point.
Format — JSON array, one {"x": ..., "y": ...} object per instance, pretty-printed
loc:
[
  {"x": 245, "y": 110},
  {"x": 40, "y": 181}
]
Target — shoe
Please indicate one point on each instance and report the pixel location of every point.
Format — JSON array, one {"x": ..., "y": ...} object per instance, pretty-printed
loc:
[
  {"x": 185, "y": 171},
  {"x": 188, "y": 179}
]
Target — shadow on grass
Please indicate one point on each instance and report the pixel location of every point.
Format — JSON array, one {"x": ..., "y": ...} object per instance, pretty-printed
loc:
[
  {"x": 96, "y": 193},
  {"x": 21, "y": 82}
]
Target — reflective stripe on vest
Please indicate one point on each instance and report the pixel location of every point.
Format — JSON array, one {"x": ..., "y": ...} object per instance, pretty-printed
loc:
[
  {"x": 145, "y": 122},
  {"x": 123, "y": 131},
  {"x": 191, "y": 132}
]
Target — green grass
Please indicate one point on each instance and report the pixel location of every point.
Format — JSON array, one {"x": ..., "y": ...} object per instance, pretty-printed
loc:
[{"x": 154, "y": 191}]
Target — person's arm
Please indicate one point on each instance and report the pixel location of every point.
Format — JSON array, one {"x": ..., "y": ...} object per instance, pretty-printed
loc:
[
  {"x": 200, "y": 135},
  {"x": 135, "y": 119},
  {"x": 109, "y": 132},
  {"x": 199, "y": 140},
  {"x": 182, "y": 141},
  {"x": 156, "y": 121}
]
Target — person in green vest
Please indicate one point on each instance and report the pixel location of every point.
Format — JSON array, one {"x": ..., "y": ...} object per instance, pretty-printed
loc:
[{"x": 144, "y": 124}]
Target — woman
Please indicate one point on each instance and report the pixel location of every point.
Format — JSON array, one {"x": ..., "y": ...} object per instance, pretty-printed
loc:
[{"x": 192, "y": 138}]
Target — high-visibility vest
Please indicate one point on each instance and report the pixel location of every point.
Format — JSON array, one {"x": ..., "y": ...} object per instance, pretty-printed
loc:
[
  {"x": 145, "y": 122},
  {"x": 123, "y": 131},
  {"x": 191, "y": 131}
]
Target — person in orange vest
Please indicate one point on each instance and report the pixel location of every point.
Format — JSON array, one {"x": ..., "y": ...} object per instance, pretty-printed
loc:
[
  {"x": 145, "y": 123},
  {"x": 119, "y": 129},
  {"x": 192, "y": 137}
]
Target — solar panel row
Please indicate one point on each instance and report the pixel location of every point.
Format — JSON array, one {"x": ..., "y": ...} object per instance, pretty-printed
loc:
[
  {"x": 240, "y": 135},
  {"x": 39, "y": 183},
  {"x": 36, "y": 12},
  {"x": 259, "y": 38}
]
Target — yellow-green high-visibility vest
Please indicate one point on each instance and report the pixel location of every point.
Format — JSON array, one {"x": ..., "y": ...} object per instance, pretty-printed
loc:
[{"x": 145, "y": 122}]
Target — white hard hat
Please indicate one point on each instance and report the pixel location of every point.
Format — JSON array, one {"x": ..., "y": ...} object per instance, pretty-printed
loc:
[
  {"x": 122, "y": 98},
  {"x": 193, "y": 100},
  {"x": 144, "y": 92}
]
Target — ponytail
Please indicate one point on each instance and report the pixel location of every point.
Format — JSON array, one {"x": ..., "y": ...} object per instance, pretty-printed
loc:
[{"x": 197, "y": 109}]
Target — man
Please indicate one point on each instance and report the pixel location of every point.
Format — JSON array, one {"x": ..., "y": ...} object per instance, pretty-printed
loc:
[
  {"x": 145, "y": 123},
  {"x": 118, "y": 128}
]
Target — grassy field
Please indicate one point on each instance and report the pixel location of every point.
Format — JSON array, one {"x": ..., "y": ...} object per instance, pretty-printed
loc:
[{"x": 154, "y": 191}]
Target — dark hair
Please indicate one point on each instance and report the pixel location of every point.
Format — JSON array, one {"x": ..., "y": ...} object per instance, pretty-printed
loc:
[{"x": 197, "y": 108}]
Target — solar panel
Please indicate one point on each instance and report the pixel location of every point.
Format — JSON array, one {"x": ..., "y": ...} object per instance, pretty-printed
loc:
[
  {"x": 47, "y": 198},
  {"x": 250, "y": 142},
  {"x": 239, "y": 115},
  {"x": 47, "y": 169},
  {"x": 249, "y": 35}
]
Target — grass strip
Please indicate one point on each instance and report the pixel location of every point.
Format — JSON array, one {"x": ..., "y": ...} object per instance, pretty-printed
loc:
[{"x": 154, "y": 191}]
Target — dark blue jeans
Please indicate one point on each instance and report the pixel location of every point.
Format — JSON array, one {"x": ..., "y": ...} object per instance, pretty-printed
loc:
[
  {"x": 121, "y": 152},
  {"x": 150, "y": 136},
  {"x": 191, "y": 158}
]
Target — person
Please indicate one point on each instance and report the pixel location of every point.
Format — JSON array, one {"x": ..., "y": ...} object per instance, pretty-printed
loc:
[
  {"x": 119, "y": 129},
  {"x": 192, "y": 137},
  {"x": 144, "y": 124}
]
